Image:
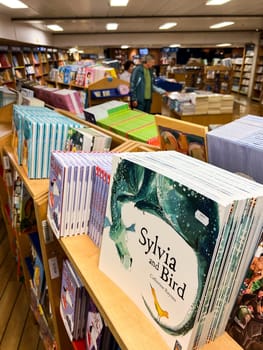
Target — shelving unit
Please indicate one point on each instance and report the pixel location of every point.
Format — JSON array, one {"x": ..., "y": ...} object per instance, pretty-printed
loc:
[
  {"x": 28, "y": 62},
  {"x": 105, "y": 90},
  {"x": 129, "y": 326},
  {"x": 18, "y": 63},
  {"x": 194, "y": 76},
  {"x": 257, "y": 91},
  {"x": 237, "y": 64},
  {"x": 6, "y": 74},
  {"x": 247, "y": 70},
  {"x": 218, "y": 79}
]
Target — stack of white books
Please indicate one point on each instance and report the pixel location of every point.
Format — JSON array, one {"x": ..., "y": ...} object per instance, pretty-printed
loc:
[
  {"x": 227, "y": 104},
  {"x": 214, "y": 103},
  {"x": 238, "y": 146},
  {"x": 78, "y": 190},
  {"x": 201, "y": 103}
]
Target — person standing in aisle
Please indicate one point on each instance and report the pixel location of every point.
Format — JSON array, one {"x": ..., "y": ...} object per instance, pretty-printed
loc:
[
  {"x": 142, "y": 85},
  {"x": 128, "y": 68}
]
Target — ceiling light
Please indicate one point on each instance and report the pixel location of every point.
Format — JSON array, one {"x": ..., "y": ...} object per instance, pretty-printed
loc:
[
  {"x": 124, "y": 46},
  {"x": 223, "y": 45},
  {"x": 55, "y": 27},
  {"x": 221, "y": 25},
  {"x": 216, "y": 2},
  {"x": 119, "y": 2},
  {"x": 111, "y": 26},
  {"x": 168, "y": 25},
  {"x": 14, "y": 4},
  {"x": 174, "y": 45}
]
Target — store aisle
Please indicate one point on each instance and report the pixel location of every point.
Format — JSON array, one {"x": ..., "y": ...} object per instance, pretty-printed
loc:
[{"x": 18, "y": 329}]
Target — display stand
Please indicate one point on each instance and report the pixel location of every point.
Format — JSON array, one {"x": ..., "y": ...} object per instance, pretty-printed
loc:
[
  {"x": 218, "y": 79},
  {"x": 127, "y": 323},
  {"x": 203, "y": 119},
  {"x": 107, "y": 89}
]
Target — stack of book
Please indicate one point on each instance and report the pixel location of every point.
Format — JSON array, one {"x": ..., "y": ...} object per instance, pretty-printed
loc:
[
  {"x": 78, "y": 192},
  {"x": 88, "y": 140},
  {"x": 101, "y": 111},
  {"x": 179, "y": 237},
  {"x": 36, "y": 132},
  {"x": 238, "y": 146},
  {"x": 214, "y": 103},
  {"x": 227, "y": 104},
  {"x": 130, "y": 123},
  {"x": 181, "y": 102},
  {"x": 73, "y": 302},
  {"x": 201, "y": 102}
]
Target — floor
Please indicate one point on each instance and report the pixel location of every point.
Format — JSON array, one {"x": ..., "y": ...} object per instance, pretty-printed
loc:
[{"x": 18, "y": 329}]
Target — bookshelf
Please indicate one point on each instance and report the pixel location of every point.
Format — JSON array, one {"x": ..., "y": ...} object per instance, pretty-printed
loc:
[
  {"x": 194, "y": 75},
  {"x": 6, "y": 74},
  {"x": 257, "y": 89},
  {"x": 218, "y": 79},
  {"x": 18, "y": 63},
  {"x": 247, "y": 70},
  {"x": 236, "y": 73},
  {"x": 129, "y": 326}
]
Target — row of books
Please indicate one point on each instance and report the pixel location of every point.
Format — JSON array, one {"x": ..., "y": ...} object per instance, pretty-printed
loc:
[
  {"x": 180, "y": 234},
  {"x": 81, "y": 74},
  {"x": 80, "y": 315},
  {"x": 39, "y": 299},
  {"x": 78, "y": 191},
  {"x": 130, "y": 123},
  {"x": 69, "y": 100},
  {"x": 4, "y": 60},
  {"x": 88, "y": 140},
  {"x": 87, "y": 74},
  {"x": 36, "y": 132},
  {"x": 20, "y": 204}
]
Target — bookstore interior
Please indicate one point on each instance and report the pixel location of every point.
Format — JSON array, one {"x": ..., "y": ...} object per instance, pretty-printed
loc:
[{"x": 108, "y": 209}]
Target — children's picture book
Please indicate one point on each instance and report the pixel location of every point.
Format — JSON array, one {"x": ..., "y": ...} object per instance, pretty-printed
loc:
[
  {"x": 168, "y": 240},
  {"x": 28, "y": 222},
  {"x": 94, "y": 327},
  {"x": 245, "y": 324},
  {"x": 70, "y": 299},
  {"x": 187, "y": 138},
  {"x": 38, "y": 277}
]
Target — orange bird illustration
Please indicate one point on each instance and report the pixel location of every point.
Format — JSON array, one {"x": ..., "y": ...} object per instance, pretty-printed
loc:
[{"x": 160, "y": 311}]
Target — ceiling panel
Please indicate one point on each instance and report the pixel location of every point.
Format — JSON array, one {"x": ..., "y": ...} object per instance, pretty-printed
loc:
[{"x": 140, "y": 16}]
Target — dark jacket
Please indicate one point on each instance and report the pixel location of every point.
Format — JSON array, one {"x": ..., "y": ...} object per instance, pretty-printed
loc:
[{"x": 137, "y": 84}]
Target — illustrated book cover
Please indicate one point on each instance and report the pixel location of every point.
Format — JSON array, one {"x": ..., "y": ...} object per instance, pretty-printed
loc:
[
  {"x": 245, "y": 324},
  {"x": 94, "y": 327},
  {"x": 166, "y": 236},
  {"x": 187, "y": 138}
]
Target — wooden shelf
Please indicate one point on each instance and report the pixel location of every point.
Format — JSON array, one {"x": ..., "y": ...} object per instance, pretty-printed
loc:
[
  {"x": 129, "y": 326},
  {"x": 37, "y": 188}
]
